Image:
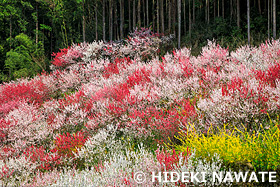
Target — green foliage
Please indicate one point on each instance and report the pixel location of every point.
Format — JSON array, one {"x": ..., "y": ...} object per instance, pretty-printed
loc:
[
  {"x": 46, "y": 27},
  {"x": 23, "y": 59}
]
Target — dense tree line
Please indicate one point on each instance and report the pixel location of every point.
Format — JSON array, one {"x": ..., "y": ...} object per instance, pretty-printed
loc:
[{"x": 32, "y": 29}]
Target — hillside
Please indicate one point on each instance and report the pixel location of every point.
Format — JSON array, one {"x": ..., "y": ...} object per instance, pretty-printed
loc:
[{"x": 109, "y": 110}]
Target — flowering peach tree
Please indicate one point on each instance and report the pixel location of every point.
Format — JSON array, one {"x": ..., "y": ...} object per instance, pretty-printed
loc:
[{"x": 102, "y": 99}]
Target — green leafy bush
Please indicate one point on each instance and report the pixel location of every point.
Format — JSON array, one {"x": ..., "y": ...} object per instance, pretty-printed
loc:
[{"x": 25, "y": 59}]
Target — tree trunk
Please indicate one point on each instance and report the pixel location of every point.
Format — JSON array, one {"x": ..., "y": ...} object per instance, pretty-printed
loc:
[
  {"x": 169, "y": 16},
  {"x": 153, "y": 16},
  {"x": 157, "y": 16},
  {"x": 248, "y": 20},
  {"x": 190, "y": 19},
  {"x": 268, "y": 19},
  {"x": 193, "y": 11},
  {"x": 51, "y": 33},
  {"x": 116, "y": 28},
  {"x": 271, "y": 16},
  {"x": 238, "y": 13},
  {"x": 259, "y": 5},
  {"x": 214, "y": 9},
  {"x": 162, "y": 16},
  {"x": 134, "y": 15},
  {"x": 121, "y": 18},
  {"x": 110, "y": 20},
  {"x": 43, "y": 34},
  {"x": 184, "y": 15},
  {"x": 84, "y": 22},
  {"x": 218, "y": 8},
  {"x": 231, "y": 10},
  {"x": 206, "y": 7},
  {"x": 139, "y": 13},
  {"x": 104, "y": 24},
  {"x": 37, "y": 24},
  {"x": 208, "y": 11},
  {"x": 10, "y": 31},
  {"x": 144, "y": 14},
  {"x": 96, "y": 23},
  {"x": 147, "y": 9},
  {"x": 129, "y": 16},
  {"x": 174, "y": 16},
  {"x": 223, "y": 8},
  {"x": 179, "y": 24},
  {"x": 274, "y": 19}
]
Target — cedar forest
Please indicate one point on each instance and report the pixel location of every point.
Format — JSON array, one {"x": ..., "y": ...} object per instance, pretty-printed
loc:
[{"x": 31, "y": 30}]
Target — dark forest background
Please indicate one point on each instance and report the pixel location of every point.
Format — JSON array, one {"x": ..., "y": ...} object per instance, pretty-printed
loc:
[{"x": 31, "y": 30}]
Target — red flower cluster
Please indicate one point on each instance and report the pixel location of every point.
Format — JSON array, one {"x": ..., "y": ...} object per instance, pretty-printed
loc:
[
  {"x": 11, "y": 94},
  {"x": 170, "y": 161},
  {"x": 39, "y": 155},
  {"x": 58, "y": 57},
  {"x": 67, "y": 144}
]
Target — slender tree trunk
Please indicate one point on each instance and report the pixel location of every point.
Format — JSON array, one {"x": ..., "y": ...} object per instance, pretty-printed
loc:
[
  {"x": 110, "y": 20},
  {"x": 129, "y": 16},
  {"x": 121, "y": 18},
  {"x": 271, "y": 16},
  {"x": 190, "y": 20},
  {"x": 134, "y": 15},
  {"x": 157, "y": 16},
  {"x": 10, "y": 73},
  {"x": 162, "y": 16},
  {"x": 193, "y": 11},
  {"x": 144, "y": 13},
  {"x": 248, "y": 20},
  {"x": 147, "y": 9},
  {"x": 84, "y": 22},
  {"x": 51, "y": 33},
  {"x": 214, "y": 9},
  {"x": 169, "y": 16},
  {"x": 184, "y": 15},
  {"x": 116, "y": 28},
  {"x": 274, "y": 19},
  {"x": 268, "y": 19},
  {"x": 234, "y": 9},
  {"x": 231, "y": 10},
  {"x": 37, "y": 24},
  {"x": 174, "y": 16},
  {"x": 153, "y": 16},
  {"x": 206, "y": 8},
  {"x": 139, "y": 13},
  {"x": 259, "y": 6},
  {"x": 208, "y": 12},
  {"x": 179, "y": 24},
  {"x": 218, "y": 8},
  {"x": 238, "y": 13},
  {"x": 166, "y": 6},
  {"x": 43, "y": 34},
  {"x": 223, "y": 8},
  {"x": 104, "y": 23},
  {"x": 96, "y": 23},
  {"x": 10, "y": 31}
]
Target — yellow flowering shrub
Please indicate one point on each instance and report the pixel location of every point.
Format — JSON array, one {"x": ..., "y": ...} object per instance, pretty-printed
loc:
[{"x": 258, "y": 149}]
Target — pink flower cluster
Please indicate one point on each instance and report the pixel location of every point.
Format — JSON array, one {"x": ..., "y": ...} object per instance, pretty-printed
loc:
[{"x": 141, "y": 43}]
